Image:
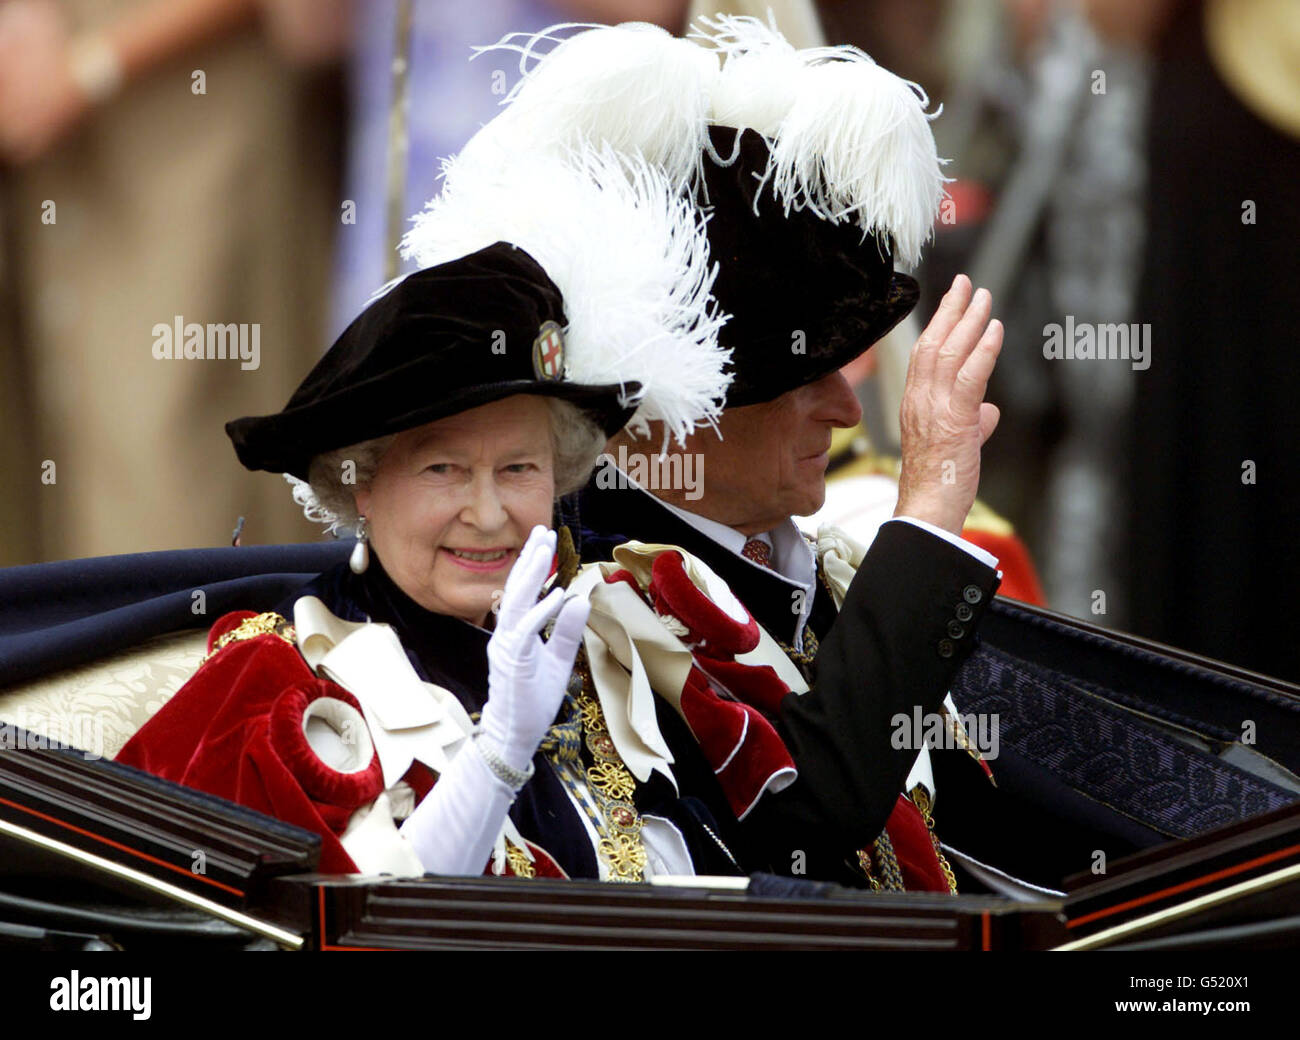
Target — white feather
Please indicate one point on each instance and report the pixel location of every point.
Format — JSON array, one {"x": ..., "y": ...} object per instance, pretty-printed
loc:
[
  {"x": 633, "y": 87},
  {"x": 630, "y": 258},
  {"x": 856, "y": 145},
  {"x": 760, "y": 72},
  {"x": 850, "y": 140}
]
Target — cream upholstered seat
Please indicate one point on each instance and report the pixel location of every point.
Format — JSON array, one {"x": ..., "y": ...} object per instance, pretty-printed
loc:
[{"x": 97, "y": 707}]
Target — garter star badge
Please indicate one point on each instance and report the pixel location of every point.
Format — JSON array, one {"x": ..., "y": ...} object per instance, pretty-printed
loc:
[{"x": 548, "y": 352}]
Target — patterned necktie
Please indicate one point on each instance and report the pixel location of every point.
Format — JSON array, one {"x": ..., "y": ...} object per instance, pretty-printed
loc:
[{"x": 759, "y": 551}]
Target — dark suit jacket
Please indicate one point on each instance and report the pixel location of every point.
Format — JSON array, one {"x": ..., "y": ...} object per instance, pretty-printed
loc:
[{"x": 887, "y": 651}]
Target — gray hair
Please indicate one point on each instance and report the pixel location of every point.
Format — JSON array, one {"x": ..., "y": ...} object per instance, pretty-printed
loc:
[{"x": 326, "y": 497}]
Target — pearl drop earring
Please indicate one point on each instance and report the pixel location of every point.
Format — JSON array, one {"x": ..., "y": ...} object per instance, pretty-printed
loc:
[{"x": 360, "y": 558}]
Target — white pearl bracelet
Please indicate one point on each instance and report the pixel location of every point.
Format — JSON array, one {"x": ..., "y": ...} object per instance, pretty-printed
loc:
[{"x": 510, "y": 776}]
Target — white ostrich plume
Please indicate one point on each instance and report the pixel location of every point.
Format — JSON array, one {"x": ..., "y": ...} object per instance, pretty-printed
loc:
[
  {"x": 634, "y": 87},
  {"x": 760, "y": 72},
  {"x": 629, "y": 255},
  {"x": 849, "y": 139}
]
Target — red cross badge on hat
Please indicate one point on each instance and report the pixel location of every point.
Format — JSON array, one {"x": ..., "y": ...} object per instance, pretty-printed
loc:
[{"x": 548, "y": 352}]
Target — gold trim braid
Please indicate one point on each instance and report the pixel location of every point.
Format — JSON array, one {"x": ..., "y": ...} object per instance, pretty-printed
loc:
[{"x": 269, "y": 623}]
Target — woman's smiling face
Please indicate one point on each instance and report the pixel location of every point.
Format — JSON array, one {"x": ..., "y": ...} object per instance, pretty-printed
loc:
[{"x": 452, "y": 502}]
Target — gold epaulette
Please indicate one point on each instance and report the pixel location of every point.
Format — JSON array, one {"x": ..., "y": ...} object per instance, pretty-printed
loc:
[{"x": 269, "y": 623}]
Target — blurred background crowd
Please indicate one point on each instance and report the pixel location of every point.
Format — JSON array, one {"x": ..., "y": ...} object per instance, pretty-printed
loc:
[{"x": 248, "y": 162}]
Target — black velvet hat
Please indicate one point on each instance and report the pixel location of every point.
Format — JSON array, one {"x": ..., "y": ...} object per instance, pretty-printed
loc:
[
  {"x": 443, "y": 340},
  {"x": 806, "y": 296}
]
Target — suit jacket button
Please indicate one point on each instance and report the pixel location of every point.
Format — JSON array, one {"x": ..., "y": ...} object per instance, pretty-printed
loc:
[
  {"x": 964, "y": 612},
  {"x": 946, "y": 649},
  {"x": 972, "y": 594},
  {"x": 955, "y": 630}
]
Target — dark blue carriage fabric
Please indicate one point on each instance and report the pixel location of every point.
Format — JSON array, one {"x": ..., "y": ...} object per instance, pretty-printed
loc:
[
  {"x": 1109, "y": 754},
  {"x": 59, "y": 615},
  {"x": 1080, "y": 729},
  {"x": 1176, "y": 687}
]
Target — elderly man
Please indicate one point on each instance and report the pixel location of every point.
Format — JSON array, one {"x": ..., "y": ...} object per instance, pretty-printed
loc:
[
  {"x": 912, "y": 609},
  {"x": 910, "y": 613}
]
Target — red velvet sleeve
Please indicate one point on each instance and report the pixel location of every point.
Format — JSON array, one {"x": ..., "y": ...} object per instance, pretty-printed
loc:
[{"x": 236, "y": 730}]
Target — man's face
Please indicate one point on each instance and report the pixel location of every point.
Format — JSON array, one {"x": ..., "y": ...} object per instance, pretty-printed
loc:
[{"x": 770, "y": 462}]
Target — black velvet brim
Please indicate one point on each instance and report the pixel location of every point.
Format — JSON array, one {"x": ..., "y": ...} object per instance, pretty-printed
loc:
[
  {"x": 853, "y": 328},
  {"x": 287, "y": 441}
]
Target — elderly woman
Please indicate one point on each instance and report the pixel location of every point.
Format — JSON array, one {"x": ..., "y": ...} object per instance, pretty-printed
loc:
[{"x": 430, "y": 682}]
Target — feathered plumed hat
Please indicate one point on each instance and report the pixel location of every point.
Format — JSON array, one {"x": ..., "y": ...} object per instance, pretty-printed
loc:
[
  {"x": 629, "y": 255},
  {"x": 586, "y": 279},
  {"x": 817, "y": 167}
]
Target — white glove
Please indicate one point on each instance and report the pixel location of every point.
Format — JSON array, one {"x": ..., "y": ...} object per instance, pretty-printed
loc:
[
  {"x": 526, "y": 676},
  {"x": 454, "y": 829}
]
